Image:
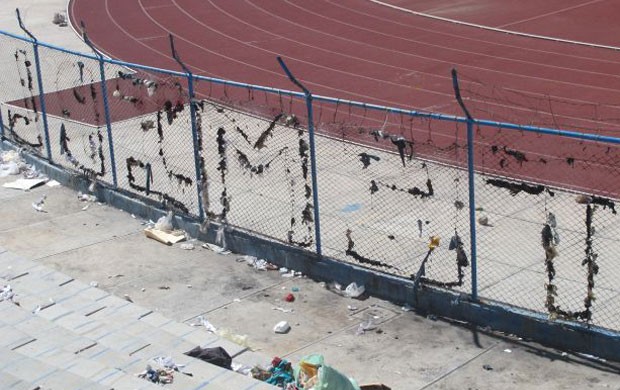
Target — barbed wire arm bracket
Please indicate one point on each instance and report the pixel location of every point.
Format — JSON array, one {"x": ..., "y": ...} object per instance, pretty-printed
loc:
[
  {"x": 315, "y": 190},
  {"x": 35, "y": 46},
  {"x": 104, "y": 92},
  {"x": 192, "y": 110},
  {"x": 471, "y": 184}
]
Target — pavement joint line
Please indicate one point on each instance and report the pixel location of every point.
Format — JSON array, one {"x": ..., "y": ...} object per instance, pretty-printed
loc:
[
  {"x": 19, "y": 276},
  {"x": 139, "y": 349},
  {"x": 94, "y": 311},
  {"x": 66, "y": 282},
  {"x": 47, "y": 374},
  {"x": 89, "y": 346},
  {"x": 32, "y": 340},
  {"x": 443, "y": 376},
  {"x": 84, "y": 324},
  {"x": 141, "y": 316},
  {"x": 62, "y": 315},
  {"x": 84, "y": 246}
]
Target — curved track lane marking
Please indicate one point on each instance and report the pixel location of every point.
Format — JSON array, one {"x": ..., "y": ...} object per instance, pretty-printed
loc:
[{"x": 511, "y": 32}]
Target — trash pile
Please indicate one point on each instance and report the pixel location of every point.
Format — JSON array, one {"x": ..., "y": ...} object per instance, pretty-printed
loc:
[
  {"x": 163, "y": 230},
  {"x": 7, "y": 294},
  {"x": 12, "y": 164},
  {"x": 310, "y": 374}
]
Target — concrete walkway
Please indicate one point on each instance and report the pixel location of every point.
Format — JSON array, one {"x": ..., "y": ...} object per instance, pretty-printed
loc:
[
  {"x": 103, "y": 245},
  {"x": 107, "y": 246}
]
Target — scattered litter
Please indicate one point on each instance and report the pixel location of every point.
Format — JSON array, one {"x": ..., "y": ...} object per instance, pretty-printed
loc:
[
  {"x": 94, "y": 284},
  {"x": 283, "y": 310},
  {"x": 164, "y": 287},
  {"x": 432, "y": 317},
  {"x": 127, "y": 298},
  {"x": 36, "y": 309},
  {"x": 564, "y": 354},
  {"x": 38, "y": 205},
  {"x": 592, "y": 357},
  {"x": 351, "y": 307},
  {"x": 406, "y": 307},
  {"x": 313, "y": 373},
  {"x": 165, "y": 223},
  {"x": 160, "y": 376},
  {"x": 289, "y": 274},
  {"x": 115, "y": 276},
  {"x": 365, "y": 326},
  {"x": 204, "y": 322},
  {"x": 295, "y": 289},
  {"x": 508, "y": 350},
  {"x": 217, "y": 356},
  {"x": 52, "y": 183},
  {"x": 133, "y": 216},
  {"x": 7, "y": 294},
  {"x": 188, "y": 246},
  {"x": 143, "y": 289},
  {"x": 283, "y": 270},
  {"x": 237, "y": 300},
  {"x": 240, "y": 368},
  {"x": 487, "y": 367},
  {"x": 189, "y": 286},
  {"x": 282, "y": 327},
  {"x": 168, "y": 362},
  {"x": 85, "y": 207},
  {"x": 484, "y": 221},
  {"x": 167, "y": 238},
  {"x": 354, "y": 291},
  {"x": 258, "y": 264},
  {"x": 235, "y": 338},
  {"x": 86, "y": 197},
  {"x": 60, "y": 19},
  {"x": 335, "y": 288},
  {"x": 25, "y": 184},
  {"x": 215, "y": 248},
  {"x": 290, "y": 298}
]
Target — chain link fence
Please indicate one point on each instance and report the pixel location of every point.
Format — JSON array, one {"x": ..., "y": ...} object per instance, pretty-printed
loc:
[{"x": 386, "y": 179}]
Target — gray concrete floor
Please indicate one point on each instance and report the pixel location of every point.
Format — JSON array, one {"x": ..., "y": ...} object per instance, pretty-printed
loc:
[
  {"x": 409, "y": 352},
  {"x": 405, "y": 351}
]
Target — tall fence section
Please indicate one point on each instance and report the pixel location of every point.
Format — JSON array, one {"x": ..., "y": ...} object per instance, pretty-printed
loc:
[{"x": 525, "y": 213}]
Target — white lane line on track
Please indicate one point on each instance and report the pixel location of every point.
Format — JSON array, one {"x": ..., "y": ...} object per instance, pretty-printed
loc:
[{"x": 615, "y": 48}]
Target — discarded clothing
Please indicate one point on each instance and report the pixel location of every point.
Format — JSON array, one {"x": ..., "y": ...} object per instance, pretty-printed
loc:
[{"x": 217, "y": 356}]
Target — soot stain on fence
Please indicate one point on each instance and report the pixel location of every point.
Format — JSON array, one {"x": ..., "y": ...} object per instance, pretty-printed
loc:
[
  {"x": 95, "y": 150},
  {"x": 415, "y": 191},
  {"x": 362, "y": 259},
  {"x": 515, "y": 188},
  {"x": 590, "y": 262},
  {"x": 29, "y": 102},
  {"x": 167, "y": 200},
  {"x": 12, "y": 121}
]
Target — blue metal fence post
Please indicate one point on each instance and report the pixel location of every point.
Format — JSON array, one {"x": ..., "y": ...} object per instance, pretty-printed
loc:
[
  {"x": 192, "y": 110},
  {"x": 315, "y": 188},
  {"x": 35, "y": 47},
  {"x": 106, "y": 107},
  {"x": 471, "y": 186}
]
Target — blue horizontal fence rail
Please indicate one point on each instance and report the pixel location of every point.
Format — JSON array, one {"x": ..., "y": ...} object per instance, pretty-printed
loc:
[{"x": 308, "y": 97}]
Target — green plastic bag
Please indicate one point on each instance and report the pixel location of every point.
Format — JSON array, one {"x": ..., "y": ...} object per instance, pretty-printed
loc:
[{"x": 313, "y": 373}]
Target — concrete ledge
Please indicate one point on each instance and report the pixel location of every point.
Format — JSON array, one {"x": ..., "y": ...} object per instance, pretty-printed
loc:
[{"x": 569, "y": 336}]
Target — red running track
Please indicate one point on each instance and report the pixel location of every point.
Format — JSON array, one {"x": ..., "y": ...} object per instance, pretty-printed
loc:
[{"x": 360, "y": 50}]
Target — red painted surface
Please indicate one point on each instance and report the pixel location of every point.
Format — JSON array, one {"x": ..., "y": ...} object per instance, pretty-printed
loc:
[
  {"x": 593, "y": 21},
  {"x": 359, "y": 50}
]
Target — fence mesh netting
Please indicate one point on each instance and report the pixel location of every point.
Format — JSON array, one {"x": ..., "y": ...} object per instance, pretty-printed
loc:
[{"x": 387, "y": 181}]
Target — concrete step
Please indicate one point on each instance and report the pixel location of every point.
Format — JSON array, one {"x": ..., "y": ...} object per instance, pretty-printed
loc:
[{"x": 86, "y": 319}]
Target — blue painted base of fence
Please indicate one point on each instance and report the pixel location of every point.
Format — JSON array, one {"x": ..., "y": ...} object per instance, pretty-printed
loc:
[{"x": 567, "y": 336}]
